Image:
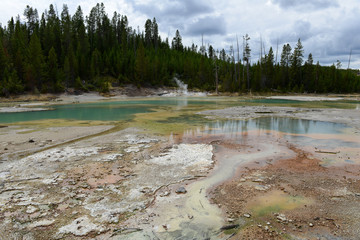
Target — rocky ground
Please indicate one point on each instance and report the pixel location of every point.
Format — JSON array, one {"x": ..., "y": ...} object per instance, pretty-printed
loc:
[
  {"x": 87, "y": 187},
  {"x": 301, "y": 197},
  {"x": 112, "y": 182},
  {"x": 295, "y": 198}
]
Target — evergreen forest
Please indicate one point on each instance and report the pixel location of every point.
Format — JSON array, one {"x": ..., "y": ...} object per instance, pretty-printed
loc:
[{"x": 57, "y": 52}]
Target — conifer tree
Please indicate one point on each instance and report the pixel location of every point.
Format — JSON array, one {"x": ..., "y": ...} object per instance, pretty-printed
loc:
[
  {"x": 140, "y": 65},
  {"x": 89, "y": 52},
  {"x": 269, "y": 68},
  {"x": 53, "y": 74},
  {"x": 296, "y": 60},
  {"x": 177, "y": 42},
  {"x": 35, "y": 65}
]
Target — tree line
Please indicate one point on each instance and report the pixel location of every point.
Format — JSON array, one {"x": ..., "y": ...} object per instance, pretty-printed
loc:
[{"x": 55, "y": 53}]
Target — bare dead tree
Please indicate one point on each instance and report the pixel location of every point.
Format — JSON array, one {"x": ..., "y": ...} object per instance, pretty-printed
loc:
[
  {"x": 349, "y": 59},
  {"x": 243, "y": 46},
  {"x": 277, "y": 49},
  {"x": 238, "y": 58},
  {"x": 246, "y": 56}
]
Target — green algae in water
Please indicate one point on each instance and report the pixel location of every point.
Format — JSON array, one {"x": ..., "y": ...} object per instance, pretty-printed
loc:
[{"x": 192, "y": 119}]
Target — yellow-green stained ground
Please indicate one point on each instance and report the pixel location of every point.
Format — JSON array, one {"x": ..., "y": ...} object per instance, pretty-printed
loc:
[{"x": 276, "y": 201}]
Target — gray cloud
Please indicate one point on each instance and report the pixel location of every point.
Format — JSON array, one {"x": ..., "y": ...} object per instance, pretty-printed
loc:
[
  {"x": 299, "y": 29},
  {"x": 207, "y": 26},
  {"x": 173, "y": 9},
  {"x": 174, "y": 14},
  {"x": 346, "y": 39},
  {"x": 306, "y": 4}
]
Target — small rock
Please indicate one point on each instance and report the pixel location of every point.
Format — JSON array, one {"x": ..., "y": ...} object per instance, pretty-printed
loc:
[
  {"x": 281, "y": 217},
  {"x": 229, "y": 227},
  {"x": 261, "y": 188},
  {"x": 247, "y": 215},
  {"x": 181, "y": 190},
  {"x": 311, "y": 225},
  {"x": 31, "y": 209},
  {"x": 31, "y": 141},
  {"x": 230, "y": 220},
  {"x": 81, "y": 227},
  {"x": 165, "y": 194},
  {"x": 41, "y": 223}
]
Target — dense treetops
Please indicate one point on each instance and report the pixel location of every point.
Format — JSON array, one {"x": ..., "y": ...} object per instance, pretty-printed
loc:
[{"x": 52, "y": 53}]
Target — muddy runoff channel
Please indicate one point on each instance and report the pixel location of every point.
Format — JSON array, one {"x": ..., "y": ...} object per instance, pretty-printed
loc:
[
  {"x": 151, "y": 177},
  {"x": 191, "y": 215},
  {"x": 235, "y": 143}
]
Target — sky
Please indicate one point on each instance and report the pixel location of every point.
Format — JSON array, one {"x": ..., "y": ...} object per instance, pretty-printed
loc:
[{"x": 329, "y": 29}]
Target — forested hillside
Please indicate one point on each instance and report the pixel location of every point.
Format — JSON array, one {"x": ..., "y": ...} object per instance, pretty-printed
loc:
[{"x": 52, "y": 53}]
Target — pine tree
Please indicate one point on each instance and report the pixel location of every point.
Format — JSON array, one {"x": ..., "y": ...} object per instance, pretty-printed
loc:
[
  {"x": 177, "y": 42},
  {"x": 34, "y": 65},
  {"x": 284, "y": 63},
  {"x": 140, "y": 65},
  {"x": 80, "y": 44},
  {"x": 309, "y": 74},
  {"x": 296, "y": 63},
  {"x": 148, "y": 33},
  {"x": 3, "y": 61},
  {"x": 66, "y": 38},
  {"x": 155, "y": 33},
  {"x": 85, "y": 54},
  {"x": 269, "y": 67},
  {"x": 32, "y": 18},
  {"x": 53, "y": 74},
  {"x": 95, "y": 68}
]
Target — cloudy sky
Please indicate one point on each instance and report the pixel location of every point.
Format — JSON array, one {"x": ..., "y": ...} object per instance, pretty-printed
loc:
[{"x": 329, "y": 29}]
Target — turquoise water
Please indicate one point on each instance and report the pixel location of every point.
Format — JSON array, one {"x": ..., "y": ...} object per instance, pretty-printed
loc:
[
  {"x": 125, "y": 110},
  {"x": 75, "y": 113},
  {"x": 100, "y": 111}
]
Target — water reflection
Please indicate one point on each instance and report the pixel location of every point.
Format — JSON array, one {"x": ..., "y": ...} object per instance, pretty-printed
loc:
[
  {"x": 238, "y": 129},
  {"x": 182, "y": 102},
  {"x": 324, "y": 144}
]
